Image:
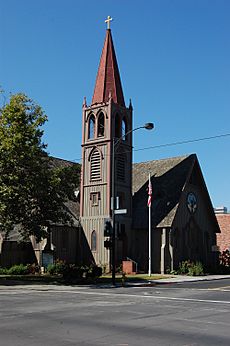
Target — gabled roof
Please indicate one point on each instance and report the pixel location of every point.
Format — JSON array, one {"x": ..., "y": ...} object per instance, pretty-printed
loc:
[
  {"x": 168, "y": 178},
  {"x": 108, "y": 78},
  {"x": 156, "y": 168}
]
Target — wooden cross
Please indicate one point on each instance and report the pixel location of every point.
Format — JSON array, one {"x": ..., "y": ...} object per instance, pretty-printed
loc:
[{"x": 108, "y": 20}]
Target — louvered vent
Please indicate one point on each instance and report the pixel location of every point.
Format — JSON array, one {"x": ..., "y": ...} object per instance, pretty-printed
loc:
[
  {"x": 95, "y": 166},
  {"x": 121, "y": 168}
]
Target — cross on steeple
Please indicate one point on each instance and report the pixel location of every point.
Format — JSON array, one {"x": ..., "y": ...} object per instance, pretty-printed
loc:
[{"x": 108, "y": 20}]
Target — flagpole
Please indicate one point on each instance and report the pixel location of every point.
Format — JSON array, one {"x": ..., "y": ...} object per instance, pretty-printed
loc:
[{"x": 149, "y": 206}]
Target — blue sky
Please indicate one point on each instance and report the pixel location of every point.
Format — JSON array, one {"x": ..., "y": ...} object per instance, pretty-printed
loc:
[{"x": 174, "y": 61}]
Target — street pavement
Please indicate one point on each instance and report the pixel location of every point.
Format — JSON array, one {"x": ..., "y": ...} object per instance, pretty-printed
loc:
[{"x": 174, "y": 312}]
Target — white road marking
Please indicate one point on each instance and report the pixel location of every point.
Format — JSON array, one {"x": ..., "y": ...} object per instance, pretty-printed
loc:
[{"x": 222, "y": 289}]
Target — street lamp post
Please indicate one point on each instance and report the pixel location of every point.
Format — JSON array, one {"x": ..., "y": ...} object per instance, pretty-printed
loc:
[{"x": 116, "y": 141}]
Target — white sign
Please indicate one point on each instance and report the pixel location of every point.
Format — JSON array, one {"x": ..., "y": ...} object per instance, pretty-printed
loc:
[{"x": 120, "y": 211}]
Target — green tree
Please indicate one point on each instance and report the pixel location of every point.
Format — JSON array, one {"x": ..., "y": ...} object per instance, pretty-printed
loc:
[{"x": 33, "y": 191}]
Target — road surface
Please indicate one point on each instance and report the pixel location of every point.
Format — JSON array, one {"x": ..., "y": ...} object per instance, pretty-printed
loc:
[{"x": 185, "y": 314}]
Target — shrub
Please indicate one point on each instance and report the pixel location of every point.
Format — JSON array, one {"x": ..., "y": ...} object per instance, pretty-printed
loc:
[
  {"x": 33, "y": 268},
  {"x": 18, "y": 269},
  {"x": 173, "y": 272},
  {"x": 191, "y": 268},
  {"x": 225, "y": 258},
  {"x": 57, "y": 268},
  {"x": 196, "y": 269},
  {"x": 184, "y": 267},
  {"x": 95, "y": 272},
  {"x": 87, "y": 272},
  {"x": 3, "y": 271},
  {"x": 51, "y": 269},
  {"x": 72, "y": 273},
  {"x": 69, "y": 272},
  {"x": 224, "y": 262}
]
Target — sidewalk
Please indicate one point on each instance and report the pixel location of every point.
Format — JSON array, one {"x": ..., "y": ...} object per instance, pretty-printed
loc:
[
  {"x": 185, "y": 278},
  {"x": 172, "y": 279}
]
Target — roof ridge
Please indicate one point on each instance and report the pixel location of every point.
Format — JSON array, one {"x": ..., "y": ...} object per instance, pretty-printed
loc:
[
  {"x": 166, "y": 158},
  {"x": 60, "y": 159}
]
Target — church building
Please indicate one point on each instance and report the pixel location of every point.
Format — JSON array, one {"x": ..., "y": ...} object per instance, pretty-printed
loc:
[
  {"x": 114, "y": 189},
  {"x": 114, "y": 193}
]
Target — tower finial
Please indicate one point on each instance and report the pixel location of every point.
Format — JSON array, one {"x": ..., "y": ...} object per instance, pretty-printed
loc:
[
  {"x": 108, "y": 77},
  {"x": 108, "y": 20}
]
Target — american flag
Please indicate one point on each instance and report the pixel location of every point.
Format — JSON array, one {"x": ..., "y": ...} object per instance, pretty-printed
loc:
[{"x": 149, "y": 193}]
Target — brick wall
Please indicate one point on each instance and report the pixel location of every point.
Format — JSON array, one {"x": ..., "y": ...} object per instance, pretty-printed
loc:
[{"x": 223, "y": 238}]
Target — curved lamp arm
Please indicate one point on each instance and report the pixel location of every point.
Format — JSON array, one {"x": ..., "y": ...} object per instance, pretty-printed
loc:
[{"x": 147, "y": 126}]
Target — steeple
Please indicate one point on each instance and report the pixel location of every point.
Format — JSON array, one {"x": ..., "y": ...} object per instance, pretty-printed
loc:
[
  {"x": 108, "y": 80},
  {"x": 106, "y": 172}
]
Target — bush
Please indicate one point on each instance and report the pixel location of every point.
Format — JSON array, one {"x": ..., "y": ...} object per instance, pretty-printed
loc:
[
  {"x": 184, "y": 267},
  {"x": 224, "y": 263},
  {"x": 84, "y": 272},
  {"x": 191, "y": 268},
  {"x": 173, "y": 272},
  {"x": 225, "y": 258},
  {"x": 71, "y": 272},
  {"x": 94, "y": 272},
  {"x": 57, "y": 268},
  {"x": 3, "y": 271},
  {"x": 18, "y": 269},
  {"x": 33, "y": 268},
  {"x": 196, "y": 269}
]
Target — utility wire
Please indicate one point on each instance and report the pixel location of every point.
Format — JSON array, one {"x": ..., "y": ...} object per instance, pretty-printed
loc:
[
  {"x": 175, "y": 143},
  {"x": 183, "y": 142}
]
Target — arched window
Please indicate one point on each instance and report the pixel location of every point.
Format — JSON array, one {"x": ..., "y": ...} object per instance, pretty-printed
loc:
[
  {"x": 101, "y": 125},
  {"x": 94, "y": 241},
  {"x": 91, "y": 132},
  {"x": 95, "y": 165},
  {"x": 123, "y": 129},
  {"x": 117, "y": 126}
]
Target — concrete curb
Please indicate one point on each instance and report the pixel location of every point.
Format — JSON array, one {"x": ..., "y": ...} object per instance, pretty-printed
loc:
[
  {"x": 184, "y": 278},
  {"x": 148, "y": 283},
  {"x": 172, "y": 280}
]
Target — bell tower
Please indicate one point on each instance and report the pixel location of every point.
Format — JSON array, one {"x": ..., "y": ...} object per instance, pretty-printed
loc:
[{"x": 106, "y": 144}]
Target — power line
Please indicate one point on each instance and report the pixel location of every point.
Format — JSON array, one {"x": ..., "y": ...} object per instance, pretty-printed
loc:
[
  {"x": 175, "y": 143},
  {"x": 183, "y": 142}
]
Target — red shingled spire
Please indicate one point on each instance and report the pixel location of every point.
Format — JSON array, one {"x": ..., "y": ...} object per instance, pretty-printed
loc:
[{"x": 108, "y": 77}]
